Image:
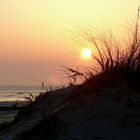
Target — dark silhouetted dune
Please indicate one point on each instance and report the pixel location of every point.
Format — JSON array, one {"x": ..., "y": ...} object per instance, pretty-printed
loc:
[{"x": 110, "y": 111}]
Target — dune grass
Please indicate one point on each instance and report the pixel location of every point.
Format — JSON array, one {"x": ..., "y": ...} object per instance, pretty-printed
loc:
[{"x": 122, "y": 58}]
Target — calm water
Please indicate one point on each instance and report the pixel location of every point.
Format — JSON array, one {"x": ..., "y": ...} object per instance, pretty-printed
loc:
[
  {"x": 12, "y": 93},
  {"x": 8, "y": 94}
]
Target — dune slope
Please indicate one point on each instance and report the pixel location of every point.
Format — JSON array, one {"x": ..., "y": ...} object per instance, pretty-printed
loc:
[{"x": 111, "y": 113}]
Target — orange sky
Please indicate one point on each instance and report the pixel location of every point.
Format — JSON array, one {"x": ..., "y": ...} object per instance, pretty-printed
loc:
[{"x": 34, "y": 34}]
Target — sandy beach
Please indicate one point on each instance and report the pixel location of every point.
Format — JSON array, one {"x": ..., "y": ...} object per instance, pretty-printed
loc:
[
  {"x": 7, "y": 114},
  {"x": 79, "y": 112}
]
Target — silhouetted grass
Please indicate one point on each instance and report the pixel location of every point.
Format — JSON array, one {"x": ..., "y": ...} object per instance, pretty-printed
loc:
[{"x": 112, "y": 57}]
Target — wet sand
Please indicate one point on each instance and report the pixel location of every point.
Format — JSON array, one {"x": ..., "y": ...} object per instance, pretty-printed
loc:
[
  {"x": 7, "y": 116},
  {"x": 6, "y": 113}
]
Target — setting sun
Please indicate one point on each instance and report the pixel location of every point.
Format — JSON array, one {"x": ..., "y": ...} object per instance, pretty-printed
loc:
[
  {"x": 38, "y": 36},
  {"x": 86, "y": 53}
]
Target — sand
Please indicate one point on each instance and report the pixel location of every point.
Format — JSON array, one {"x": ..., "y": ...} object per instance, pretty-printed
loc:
[{"x": 112, "y": 114}]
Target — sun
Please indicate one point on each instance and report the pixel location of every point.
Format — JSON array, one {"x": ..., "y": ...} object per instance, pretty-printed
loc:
[{"x": 86, "y": 53}]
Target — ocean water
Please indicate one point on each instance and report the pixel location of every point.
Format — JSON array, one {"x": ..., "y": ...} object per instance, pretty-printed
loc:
[{"x": 13, "y": 93}]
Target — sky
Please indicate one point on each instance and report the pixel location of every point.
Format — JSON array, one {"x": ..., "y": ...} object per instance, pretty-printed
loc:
[{"x": 35, "y": 35}]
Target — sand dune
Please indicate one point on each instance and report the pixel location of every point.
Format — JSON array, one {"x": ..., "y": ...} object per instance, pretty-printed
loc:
[{"x": 112, "y": 113}]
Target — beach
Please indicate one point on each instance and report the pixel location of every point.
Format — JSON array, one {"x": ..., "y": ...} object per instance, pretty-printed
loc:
[
  {"x": 7, "y": 113},
  {"x": 7, "y": 116}
]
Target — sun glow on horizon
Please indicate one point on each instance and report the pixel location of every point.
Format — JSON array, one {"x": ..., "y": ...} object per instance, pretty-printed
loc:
[{"x": 37, "y": 37}]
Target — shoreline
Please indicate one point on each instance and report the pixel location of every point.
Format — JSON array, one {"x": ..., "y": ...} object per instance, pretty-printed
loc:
[
  {"x": 11, "y": 103},
  {"x": 7, "y": 116},
  {"x": 8, "y": 111}
]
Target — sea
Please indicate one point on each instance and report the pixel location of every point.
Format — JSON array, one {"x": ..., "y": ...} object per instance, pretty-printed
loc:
[
  {"x": 11, "y": 94},
  {"x": 17, "y": 93}
]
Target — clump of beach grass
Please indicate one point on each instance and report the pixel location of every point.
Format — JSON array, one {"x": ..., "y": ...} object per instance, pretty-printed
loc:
[{"x": 112, "y": 57}]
